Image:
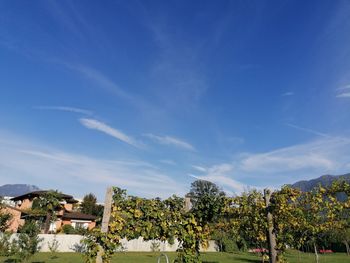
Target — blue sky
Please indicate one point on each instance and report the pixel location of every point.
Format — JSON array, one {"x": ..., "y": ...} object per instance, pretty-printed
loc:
[{"x": 150, "y": 95}]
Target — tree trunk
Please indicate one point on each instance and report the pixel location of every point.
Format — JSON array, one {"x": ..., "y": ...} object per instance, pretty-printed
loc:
[
  {"x": 47, "y": 223},
  {"x": 316, "y": 253},
  {"x": 347, "y": 247},
  {"x": 271, "y": 237}
]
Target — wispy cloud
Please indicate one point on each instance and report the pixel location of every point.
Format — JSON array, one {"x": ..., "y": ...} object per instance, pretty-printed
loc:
[
  {"x": 320, "y": 156},
  {"x": 326, "y": 155},
  {"x": 100, "y": 79},
  {"x": 105, "y": 83},
  {"x": 221, "y": 175},
  {"x": 343, "y": 92},
  {"x": 177, "y": 74},
  {"x": 344, "y": 87},
  {"x": 168, "y": 140},
  {"x": 166, "y": 161},
  {"x": 102, "y": 127},
  {"x": 289, "y": 93},
  {"x": 308, "y": 130},
  {"x": 199, "y": 168},
  {"x": 64, "y": 108},
  {"x": 52, "y": 168},
  {"x": 344, "y": 95}
]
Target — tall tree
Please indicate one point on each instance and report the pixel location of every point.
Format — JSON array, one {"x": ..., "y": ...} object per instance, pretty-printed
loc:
[
  {"x": 89, "y": 206},
  {"x": 207, "y": 201}
]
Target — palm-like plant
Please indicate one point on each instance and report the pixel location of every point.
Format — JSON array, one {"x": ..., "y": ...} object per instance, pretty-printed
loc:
[{"x": 49, "y": 203}]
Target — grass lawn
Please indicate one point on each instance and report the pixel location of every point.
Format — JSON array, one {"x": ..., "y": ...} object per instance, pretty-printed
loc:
[{"x": 134, "y": 257}]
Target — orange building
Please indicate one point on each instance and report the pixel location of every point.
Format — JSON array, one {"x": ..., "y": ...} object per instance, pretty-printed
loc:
[{"x": 65, "y": 216}]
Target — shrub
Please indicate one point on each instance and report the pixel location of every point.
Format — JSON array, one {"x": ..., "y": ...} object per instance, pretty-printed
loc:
[
  {"x": 155, "y": 246},
  {"x": 68, "y": 229},
  {"x": 53, "y": 246},
  {"x": 28, "y": 240}
]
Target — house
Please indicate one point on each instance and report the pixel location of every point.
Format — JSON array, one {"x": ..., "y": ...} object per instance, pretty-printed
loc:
[
  {"x": 66, "y": 215},
  {"x": 16, "y": 220}
]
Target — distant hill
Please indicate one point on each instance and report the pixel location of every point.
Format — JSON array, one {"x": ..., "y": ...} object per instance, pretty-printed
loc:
[
  {"x": 325, "y": 180},
  {"x": 17, "y": 189}
]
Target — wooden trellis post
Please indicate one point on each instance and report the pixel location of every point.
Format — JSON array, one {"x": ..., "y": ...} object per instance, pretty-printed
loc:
[
  {"x": 105, "y": 219},
  {"x": 271, "y": 237}
]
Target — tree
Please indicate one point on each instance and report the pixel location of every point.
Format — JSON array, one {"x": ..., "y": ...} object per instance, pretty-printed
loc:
[
  {"x": 321, "y": 212},
  {"x": 207, "y": 201},
  {"x": 89, "y": 206},
  {"x": 49, "y": 203},
  {"x": 246, "y": 216}
]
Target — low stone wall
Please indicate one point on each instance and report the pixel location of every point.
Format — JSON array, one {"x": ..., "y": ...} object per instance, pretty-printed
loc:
[
  {"x": 71, "y": 243},
  {"x": 66, "y": 243}
]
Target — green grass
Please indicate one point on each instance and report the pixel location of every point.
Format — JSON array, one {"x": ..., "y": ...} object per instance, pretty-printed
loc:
[{"x": 135, "y": 257}]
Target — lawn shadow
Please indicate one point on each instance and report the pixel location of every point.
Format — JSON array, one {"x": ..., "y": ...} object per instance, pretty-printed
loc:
[
  {"x": 244, "y": 259},
  {"x": 250, "y": 260}
]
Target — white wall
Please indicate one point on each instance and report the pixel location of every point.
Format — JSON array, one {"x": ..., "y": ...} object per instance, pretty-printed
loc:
[{"x": 69, "y": 243}]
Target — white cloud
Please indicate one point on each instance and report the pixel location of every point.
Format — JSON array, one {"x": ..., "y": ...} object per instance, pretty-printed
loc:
[
  {"x": 79, "y": 174},
  {"x": 326, "y": 155},
  {"x": 221, "y": 175},
  {"x": 168, "y": 140},
  {"x": 344, "y": 95},
  {"x": 280, "y": 161},
  {"x": 309, "y": 130},
  {"x": 289, "y": 93},
  {"x": 319, "y": 156},
  {"x": 64, "y": 108},
  {"x": 199, "y": 168},
  {"x": 100, "y": 126}
]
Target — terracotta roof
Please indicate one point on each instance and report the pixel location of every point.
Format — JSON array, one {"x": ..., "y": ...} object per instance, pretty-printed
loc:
[
  {"x": 67, "y": 198},
  {"x": 78, "y": 215}
]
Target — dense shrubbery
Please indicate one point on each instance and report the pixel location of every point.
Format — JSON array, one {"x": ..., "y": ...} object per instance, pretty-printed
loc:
[{"x": 70, "y": 230}]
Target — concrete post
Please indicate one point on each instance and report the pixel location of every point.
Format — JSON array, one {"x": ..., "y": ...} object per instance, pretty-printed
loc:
[
  {"x": 271, "y": 237},
  {"x": 105, "y": 219}
]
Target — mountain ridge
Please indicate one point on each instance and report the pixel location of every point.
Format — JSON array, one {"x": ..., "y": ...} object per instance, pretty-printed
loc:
[
  {"x": 17, "y": 189},
  {"x": 324, "y": 180}
]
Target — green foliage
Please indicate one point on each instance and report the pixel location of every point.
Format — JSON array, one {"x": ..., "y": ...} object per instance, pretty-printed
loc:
[
  {"x": 96, "y": 241},
  {"x": 235, "y": 223},
  {"x": 207, "y": 201},
  {"x": 154, "y": 219},
  {"x": 89, "y": 206},
  {"x": 246, "y": 216},
  {"x": 226, "y": 240},
  {"x": 46, "y": 204},
  {"x": 4, "y": 221},
  {"x": 68, "y": 229},
  {"x": 8, "y": 247},
  {"x": 155, "y": 246},
  {"x": 28, "y": 240},
  {"x": 191, "y": 235},
  {"x": 4, "y": 218},
  {"x": 53, "y": 246}
]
